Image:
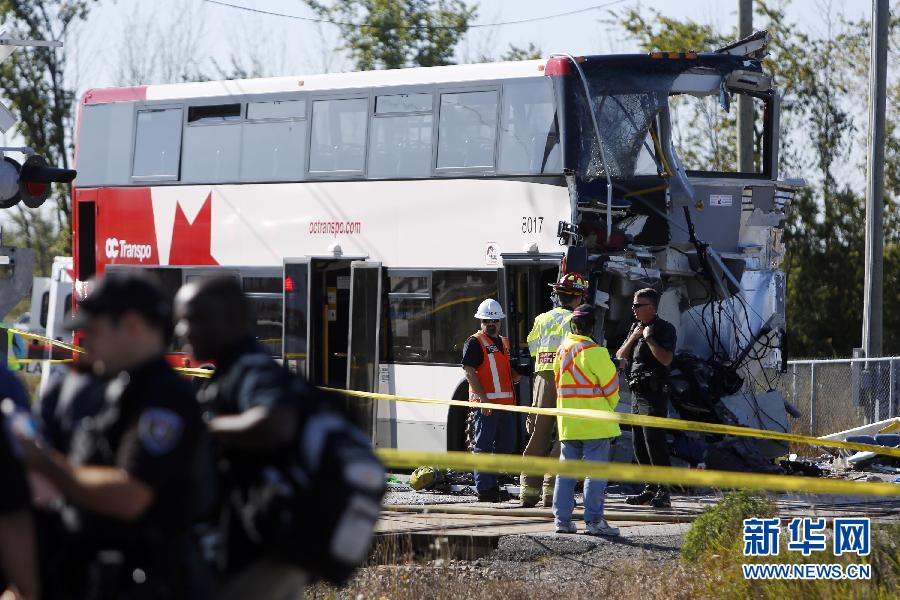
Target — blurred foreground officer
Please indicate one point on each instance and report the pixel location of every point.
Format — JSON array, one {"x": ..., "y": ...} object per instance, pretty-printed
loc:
[
  {"x": 135, "y": 479},
  {"x": 585, "y": 378},
  {"x": 550, "y": 328},
  {"x": 254, "y": 408},
  {"x": 304, "y": 487},
  {"x": 69, "y": 399},
  {"x": 18, "y": 549},
  {"x": 491, "y": 379}
]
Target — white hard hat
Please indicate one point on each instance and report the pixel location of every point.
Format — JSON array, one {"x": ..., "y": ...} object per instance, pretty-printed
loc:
[{"x": 489, "y": 309}]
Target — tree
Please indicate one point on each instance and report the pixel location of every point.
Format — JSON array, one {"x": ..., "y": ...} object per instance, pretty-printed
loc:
[
  {"x": 394, "y": 34},
  {"x": 529, "y": 52},
  {"x": 153, "y": 50},
  {"x": 33, "y": 80}
]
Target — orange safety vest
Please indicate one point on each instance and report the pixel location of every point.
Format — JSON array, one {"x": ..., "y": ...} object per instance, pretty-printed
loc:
[
  {"x": 495, "y": 371},
  {"x": 586, "y": 378}
]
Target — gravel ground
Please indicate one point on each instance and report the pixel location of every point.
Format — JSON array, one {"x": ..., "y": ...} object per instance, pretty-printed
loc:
[
  {"x": 400, "y": 494},
  {"x": 531, "y": 566}
]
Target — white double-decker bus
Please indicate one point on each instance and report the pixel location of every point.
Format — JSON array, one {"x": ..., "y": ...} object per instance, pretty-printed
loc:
[{"x": 368, "y": 214}]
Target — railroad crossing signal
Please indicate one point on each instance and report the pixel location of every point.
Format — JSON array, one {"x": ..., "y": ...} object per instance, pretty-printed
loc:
[{"x": 30, "y": 182}]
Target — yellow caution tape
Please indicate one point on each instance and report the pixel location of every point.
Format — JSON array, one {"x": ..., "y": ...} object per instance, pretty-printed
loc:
[
  {"x": 205, "y": 373},
  {"x": 531, "y": 465},
  {"x": 50, "y": 341},
  {"x": 584, "y": 414},
  {"x": 638, "y": 420},
  {"x": 44, "y": 360}
]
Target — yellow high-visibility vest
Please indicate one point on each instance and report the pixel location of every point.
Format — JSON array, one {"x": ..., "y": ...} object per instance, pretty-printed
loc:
[
  {"x": 585, "y": 378},
  {"x": 549, "y": 330}
]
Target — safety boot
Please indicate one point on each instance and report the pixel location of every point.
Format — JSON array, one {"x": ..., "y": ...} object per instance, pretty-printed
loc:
[
  {"x": 644, "y": 497},
  {"x": 530, "y": 501},
  {"x": 547, "y": 496}
]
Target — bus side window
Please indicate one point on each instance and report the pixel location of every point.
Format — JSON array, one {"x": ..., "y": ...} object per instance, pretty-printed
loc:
[
  {"x": 429, "y": 313},
  {"x": 274, "y": 143},
  {"x": 529, "y": 140},
  {"x": 157, "y": 143},
  {"x": 400, "y": 142},
  {"x": 457, "y": 295},
  {"x": 212, "y": 140},
  {"x": 409, "y": 316},
  {"x": 467, "y": 130},
  {"x": 338, "y": 135}
]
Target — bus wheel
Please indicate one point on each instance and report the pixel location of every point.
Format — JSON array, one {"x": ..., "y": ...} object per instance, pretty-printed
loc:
[{"x": 457, "y": 418}]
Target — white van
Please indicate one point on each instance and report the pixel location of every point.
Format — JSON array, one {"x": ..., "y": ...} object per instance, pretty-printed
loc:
[{"x": 58, "y": 307}]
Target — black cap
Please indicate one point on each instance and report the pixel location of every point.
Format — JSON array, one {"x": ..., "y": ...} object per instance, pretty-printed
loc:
[
  {"x": 118, "y": 293},
  {"x": 583, "y": 310}
]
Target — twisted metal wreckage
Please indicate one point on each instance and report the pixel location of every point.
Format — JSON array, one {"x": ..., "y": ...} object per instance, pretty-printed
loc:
[{"x": 711, "y": 244}]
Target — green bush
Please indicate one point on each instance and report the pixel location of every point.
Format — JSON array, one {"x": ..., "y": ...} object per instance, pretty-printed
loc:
[{"x": 720, "y": 527}]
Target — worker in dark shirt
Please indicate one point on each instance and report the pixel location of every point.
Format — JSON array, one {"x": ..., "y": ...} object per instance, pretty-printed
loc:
[
  {"x": 139, "y": 472},
  {"x": 252, "y": 408},
  {"x": 491, "y": 380},
  {"x": 18, "y": 548},
  {"x": 647, "y": 353}
]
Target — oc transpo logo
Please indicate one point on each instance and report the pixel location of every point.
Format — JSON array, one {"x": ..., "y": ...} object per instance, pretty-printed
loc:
[{"x": 116, "y": 248}]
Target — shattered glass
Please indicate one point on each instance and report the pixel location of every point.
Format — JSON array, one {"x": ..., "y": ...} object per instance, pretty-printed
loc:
[
  {"x": 625, "y": 106},
  {"x": 624, "y": 121}
]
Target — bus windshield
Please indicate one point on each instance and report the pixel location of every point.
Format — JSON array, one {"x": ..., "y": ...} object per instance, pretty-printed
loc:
[{"x": 629, "y": 128}]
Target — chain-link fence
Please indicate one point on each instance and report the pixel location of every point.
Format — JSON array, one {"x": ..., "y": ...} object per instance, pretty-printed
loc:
[{"x": 834, "y": 395}]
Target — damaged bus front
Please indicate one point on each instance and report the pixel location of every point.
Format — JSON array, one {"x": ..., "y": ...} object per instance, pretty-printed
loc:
[{"x": 655, "y": 202}]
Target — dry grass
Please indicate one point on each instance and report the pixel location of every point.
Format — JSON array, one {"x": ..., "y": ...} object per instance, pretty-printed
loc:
[{"x": 633, "y": 580}]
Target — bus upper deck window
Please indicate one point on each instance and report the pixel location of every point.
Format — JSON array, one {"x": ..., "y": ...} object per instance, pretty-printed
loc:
[
  {"x": 338, "y": 135},
  {"x": 400, "y": 143},
  {"x": 529, "y": 140},
  {"x": 216, "y": 113},
  {"x": 157, "y": 143},
  {"x": 467, "y": 131}
]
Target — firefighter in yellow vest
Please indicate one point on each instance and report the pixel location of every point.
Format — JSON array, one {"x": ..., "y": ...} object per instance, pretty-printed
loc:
[
  {"x": 586, "y": 378},
  {"x": 547, "y": 334}
]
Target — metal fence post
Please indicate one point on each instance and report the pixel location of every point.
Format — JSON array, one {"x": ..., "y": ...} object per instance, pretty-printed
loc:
[
  {"x": 794, "y": 385},
  {"x": 891, "y": 388},
  {"x": 812, "y": 398}
]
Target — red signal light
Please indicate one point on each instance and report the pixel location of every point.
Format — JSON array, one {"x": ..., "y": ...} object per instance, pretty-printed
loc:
[
  {"x": 558, "y": 66},
  {"x": 288, "y": 284}
]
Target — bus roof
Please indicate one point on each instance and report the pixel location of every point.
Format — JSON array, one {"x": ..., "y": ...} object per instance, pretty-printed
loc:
[{"x": 329, "y": 81}]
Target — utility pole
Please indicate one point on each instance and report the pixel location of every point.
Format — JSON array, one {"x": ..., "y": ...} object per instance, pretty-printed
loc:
[
  {"x": 745, "y": 103},
  {"x": 874, "y": 283}
]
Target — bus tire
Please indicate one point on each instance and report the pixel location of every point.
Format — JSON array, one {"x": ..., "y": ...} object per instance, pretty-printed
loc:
[{"x": 457, "y": 417}]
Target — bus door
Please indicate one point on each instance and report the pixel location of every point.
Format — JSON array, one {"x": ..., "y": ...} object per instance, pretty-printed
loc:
[
  {"x": 362, "y": 340},
  {"x": 527, "y": 279},
  {"x": 317, "y": 317}
]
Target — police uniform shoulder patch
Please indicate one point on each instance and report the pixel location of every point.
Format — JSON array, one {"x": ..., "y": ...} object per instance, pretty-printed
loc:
[{"x": 159, "y": 430}]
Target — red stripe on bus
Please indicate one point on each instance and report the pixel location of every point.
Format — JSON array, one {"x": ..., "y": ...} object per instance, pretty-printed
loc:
[{"x": 124, "y": 94}]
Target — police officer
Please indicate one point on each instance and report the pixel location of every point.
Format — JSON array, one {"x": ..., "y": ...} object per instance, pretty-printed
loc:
[
  {"x": 548, "y": 332},
  {"x": 136, "y": 477},
  {"x": 253, "y": 415},
  {"x": 69, "y": 399},
  {"x": 491, "y": 379},
  {"x": 649, "y": 349},
  {"x": 18, "y": 546}
]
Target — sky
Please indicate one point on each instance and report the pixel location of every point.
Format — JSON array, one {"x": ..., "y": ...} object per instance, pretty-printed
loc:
[
  {"x": 133, "y": 41},
  {"x": 288, "y": 46}
]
